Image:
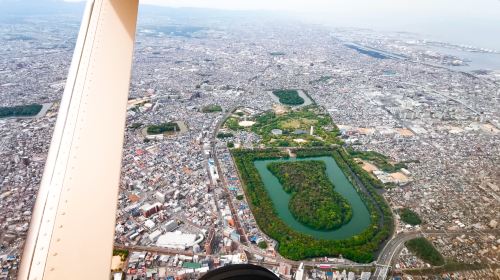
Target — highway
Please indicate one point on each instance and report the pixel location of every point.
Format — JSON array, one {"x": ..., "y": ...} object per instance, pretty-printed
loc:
[
  {"x": 391, "y": 249},
  {"x": 394, "y": 246}
]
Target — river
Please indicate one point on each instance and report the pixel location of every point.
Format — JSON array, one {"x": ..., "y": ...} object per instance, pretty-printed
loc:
[{"x": 360, "y": 214}]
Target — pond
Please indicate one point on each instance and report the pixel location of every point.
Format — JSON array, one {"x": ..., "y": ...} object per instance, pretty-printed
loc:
[{"x": 360, "y": 214}]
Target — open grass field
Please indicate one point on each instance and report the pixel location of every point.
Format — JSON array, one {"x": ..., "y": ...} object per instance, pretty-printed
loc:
[{"x": 302, "y": 123}]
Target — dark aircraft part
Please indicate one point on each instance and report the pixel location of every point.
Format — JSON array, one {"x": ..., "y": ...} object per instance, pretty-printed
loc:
[{"x": 240, "y": 272}]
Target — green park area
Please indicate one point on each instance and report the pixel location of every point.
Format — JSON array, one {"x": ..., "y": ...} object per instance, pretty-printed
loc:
[
  {"x": 314, "y": 202},
  {"x": 263, "y": 245},
  {"x": 380, "y": 160},
  {"x": 409, "y": 217},
  {"x": 213, "y": 108},
  {"x": 222, "y": 135},
  {"x": 20, "y": 111},
  {"x": 289, "y": 97},
  {"x": 305, "y": 190},
  {"x": 163, "y": 128},
  {"x": 308, "y": 126},
  {"x": 424, "y": 249}
]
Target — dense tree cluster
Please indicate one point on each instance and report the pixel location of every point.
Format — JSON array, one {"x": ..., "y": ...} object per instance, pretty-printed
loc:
[
  {"x": 211, "y": 108},
  {"x": 423, "y": 249},
  {"x": 122, "y": 253},
  {"x": 361, "y": 178},
  {"x": 325, "y": 131},
  {"x": 221, "y": 135},
  {"x": 296, "y": 245},
  {"x": 164, "y": 127},
  {"x": 380, "y": 160},
  {"x": 20, "y": 111},
  {"x": 289, "y": 97},
  {"x": 410, "y": 217},
  {"x": 366, "y": 185},
  {"x": 233, "y": 124},
  {"x": 314, "y": 202},
  {"x": 364, "y": 176}
]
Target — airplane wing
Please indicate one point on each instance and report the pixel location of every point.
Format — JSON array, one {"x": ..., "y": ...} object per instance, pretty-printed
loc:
[{"x": 72, "y": 227}]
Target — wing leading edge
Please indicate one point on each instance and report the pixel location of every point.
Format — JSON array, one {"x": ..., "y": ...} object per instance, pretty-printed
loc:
[{"x": 72, "y": 226}]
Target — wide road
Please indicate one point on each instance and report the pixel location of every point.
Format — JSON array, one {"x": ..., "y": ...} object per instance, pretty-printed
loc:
[
  {"x": 157, "y": 250},
  {"x": 395, "y": 245},
  {"x": 223, "y": 185},
  {"x": 392, "y": 248}
]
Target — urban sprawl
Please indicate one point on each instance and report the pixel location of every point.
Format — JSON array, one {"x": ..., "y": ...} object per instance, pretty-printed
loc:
[{"x": 182, "y": 207}]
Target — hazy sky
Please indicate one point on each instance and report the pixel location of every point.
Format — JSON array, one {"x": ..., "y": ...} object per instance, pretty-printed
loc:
[
  {"x": 460, "y": 21},
  {"x": 458, "y": 7}
]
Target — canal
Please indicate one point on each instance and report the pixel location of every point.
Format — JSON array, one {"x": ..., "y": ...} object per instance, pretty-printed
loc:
[{"x": 360, "y": 214}]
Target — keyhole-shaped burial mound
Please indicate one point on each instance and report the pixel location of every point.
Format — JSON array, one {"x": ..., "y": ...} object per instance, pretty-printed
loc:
[{"x": 314, "y": 201}]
